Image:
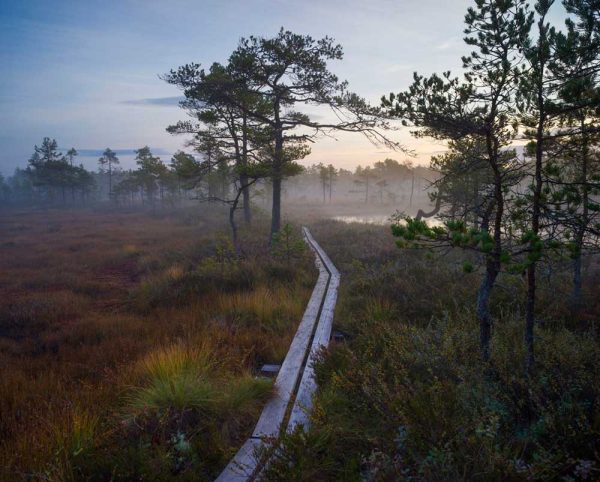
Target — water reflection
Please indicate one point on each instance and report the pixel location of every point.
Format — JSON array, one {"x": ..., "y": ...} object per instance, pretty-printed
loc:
[{"x": 378, "y": 219}]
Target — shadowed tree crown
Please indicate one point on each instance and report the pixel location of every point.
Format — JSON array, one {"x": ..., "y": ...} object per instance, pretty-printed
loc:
[{"x": 268, "y": 81}]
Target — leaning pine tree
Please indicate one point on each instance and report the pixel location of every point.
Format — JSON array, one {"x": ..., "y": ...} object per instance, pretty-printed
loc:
[{"x": 479, "y": 108}]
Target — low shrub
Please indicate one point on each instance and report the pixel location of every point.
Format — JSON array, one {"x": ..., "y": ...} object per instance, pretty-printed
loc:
[{"x": 406, "y": 396}]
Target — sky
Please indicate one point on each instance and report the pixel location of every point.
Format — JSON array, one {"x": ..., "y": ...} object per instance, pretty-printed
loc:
[{"x": 86, "y": 72}]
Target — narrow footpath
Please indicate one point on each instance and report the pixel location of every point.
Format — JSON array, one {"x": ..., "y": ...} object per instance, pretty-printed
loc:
[{"x": 295, "y": 383}]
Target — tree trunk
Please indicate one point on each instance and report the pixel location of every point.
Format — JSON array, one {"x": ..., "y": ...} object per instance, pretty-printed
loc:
[
  {"x": 483, "y": 308},
  {"x": 535, "y": 217},
  {"x": 234, "y": 232},
  {"x": 531, "y": 269},
  {"x": 277, "y": 177},
  {"x": 244, "y": 175},
  {"x": 276, "y": 207},
  {"x": 438, "y": 204},
  {"x": 246, "y": 199},
  {"x": 493, "y": 259},
  {"x": 576, "y": 294}
]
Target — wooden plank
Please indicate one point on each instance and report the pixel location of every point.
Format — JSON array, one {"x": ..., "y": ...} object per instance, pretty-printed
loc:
[
  {"x": 243, "y": 465},
  {"x": 271, "y": 418},
  {"x": 270, "y": 371},
  {"x": 303, "y": 402},
  {"x": 328, "y": 263}
]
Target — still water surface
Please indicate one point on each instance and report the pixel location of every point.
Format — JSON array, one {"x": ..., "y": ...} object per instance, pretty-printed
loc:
[{"x": 378, "y": 219}]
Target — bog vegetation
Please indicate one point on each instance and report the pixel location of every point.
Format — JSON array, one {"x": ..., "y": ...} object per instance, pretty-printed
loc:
[
  {"x": 130, "y": 343},
  {"x": 406, "y": 396},
  {"x": 131, "y": 336}
]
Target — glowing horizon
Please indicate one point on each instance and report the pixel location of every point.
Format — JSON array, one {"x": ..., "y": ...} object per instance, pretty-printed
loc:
[{"x": 87, "y": 75}]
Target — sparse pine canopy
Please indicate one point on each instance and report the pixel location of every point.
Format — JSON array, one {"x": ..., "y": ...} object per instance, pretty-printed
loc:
[{"x": 266, "y": 82}]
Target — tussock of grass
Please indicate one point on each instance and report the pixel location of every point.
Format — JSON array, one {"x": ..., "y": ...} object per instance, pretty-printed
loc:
[
  {"x": 180, "y": 378},
  {"x": 177, "y": 377},
  {"x": 246, "y": 394}
]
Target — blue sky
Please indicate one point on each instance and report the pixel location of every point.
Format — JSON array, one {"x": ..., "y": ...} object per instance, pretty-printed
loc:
[{"x": 86, "y": 71}]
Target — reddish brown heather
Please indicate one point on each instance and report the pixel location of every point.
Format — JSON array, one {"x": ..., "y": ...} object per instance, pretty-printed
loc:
[{"x": 86, "y": 296}]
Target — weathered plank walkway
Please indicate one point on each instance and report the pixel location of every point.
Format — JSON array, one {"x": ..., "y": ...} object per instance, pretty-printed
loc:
[{"x": 295, "y": 382}]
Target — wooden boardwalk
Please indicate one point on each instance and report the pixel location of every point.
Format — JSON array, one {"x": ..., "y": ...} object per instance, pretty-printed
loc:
[{"x": 295, "y": 383}]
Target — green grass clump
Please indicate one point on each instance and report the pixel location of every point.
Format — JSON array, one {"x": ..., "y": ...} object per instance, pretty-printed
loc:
[
  {"x": 176, "y": 378},
  {"x": 180, "y": 378},
  {"x": 191, "y": 410}
]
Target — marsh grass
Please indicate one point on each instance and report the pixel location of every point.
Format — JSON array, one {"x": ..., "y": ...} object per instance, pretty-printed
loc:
[
  {"x": 177, "y": 377},
  {"x": 122, "y": 353}
]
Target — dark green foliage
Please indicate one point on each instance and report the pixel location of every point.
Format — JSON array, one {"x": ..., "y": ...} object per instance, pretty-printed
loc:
[
  {"x": 53, "y": 177},
  {"x": 287, "y": 245}
]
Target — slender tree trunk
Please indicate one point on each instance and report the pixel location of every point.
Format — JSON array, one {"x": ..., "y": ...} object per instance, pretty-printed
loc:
[
  {"x": 234, "y": 232},
  {"x": 277, "y": 178},
  {"x": 244, "y": 175},
  {"x": 576, "y": 294},
  {"x": 493, "y": 259},
  {"x": 485, "y": 290},
  {"x": 483, "y": 308},
  {"x": 210, "y": 179},
  {"x": 531, "y": 269},
  {"x": 537, "y": 200},
  {"x": 246, "y": 199},
  {"x": 436, "y": 209},
  {"x": 276, "y": 207}
]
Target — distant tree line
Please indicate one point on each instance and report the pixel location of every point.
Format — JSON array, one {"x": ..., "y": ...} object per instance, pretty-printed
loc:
[
  {"x": 53, "y": 179},
  {"x": 50, "y": 178},
  {"x": 400, "y": 185}
]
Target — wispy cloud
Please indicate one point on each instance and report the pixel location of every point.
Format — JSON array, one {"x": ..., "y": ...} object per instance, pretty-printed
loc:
[
  {"x": 157, "y": 151},
  {"x": 156, "y": 101}
]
